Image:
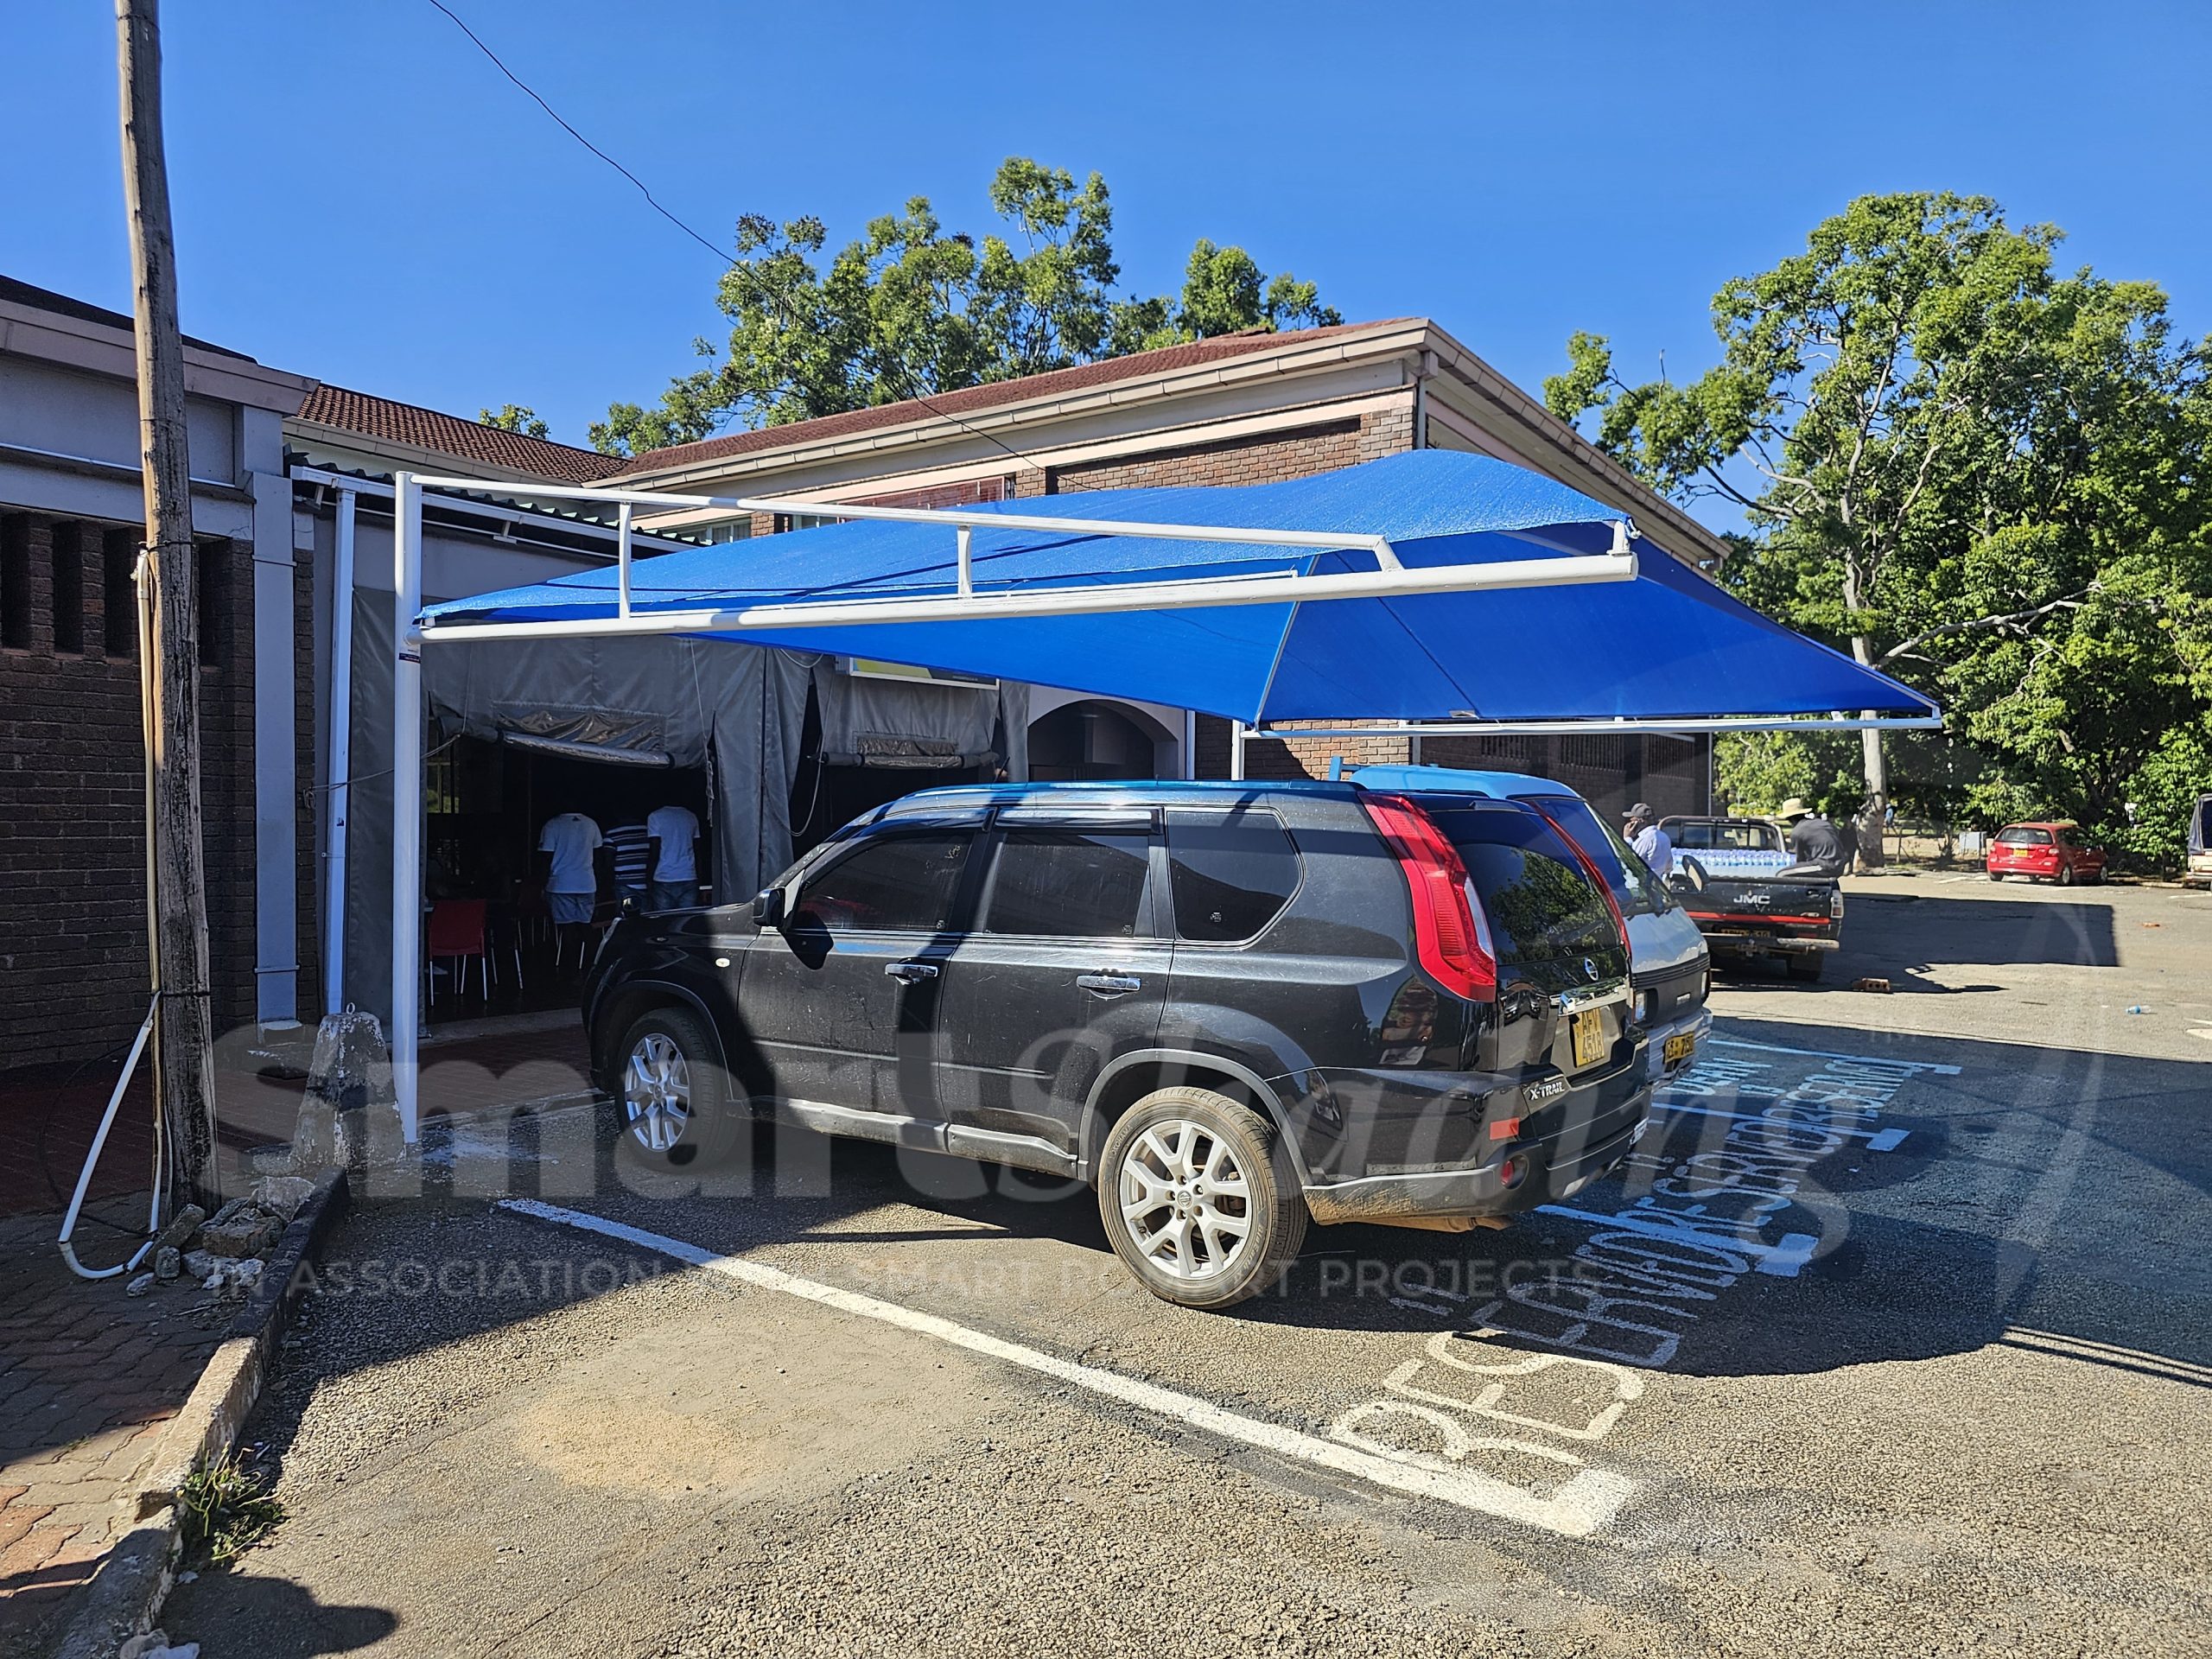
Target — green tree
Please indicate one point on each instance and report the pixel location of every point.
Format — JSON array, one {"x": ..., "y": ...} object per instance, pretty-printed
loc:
[
  {"x": 912, "y": 309},
  {"x": 515, "y": 418},
  {"x": 1969, "y": 470}
]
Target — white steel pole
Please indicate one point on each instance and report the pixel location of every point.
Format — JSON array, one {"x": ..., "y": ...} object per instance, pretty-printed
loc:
[
  {"x": 1236, "y": 750},
  {"x": 406, "y": 795},
  {"x": 963, "y": 538},
  {"x": 622, "y": 560},
  {"x": 341, "y": 762}
]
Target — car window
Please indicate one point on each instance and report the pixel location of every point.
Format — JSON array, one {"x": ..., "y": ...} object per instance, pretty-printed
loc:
[
  {"x": 1688, "y": 835},
  {"x": 1635, "y": 889},
  {"x": 2017, "y": 837},
  {"x": 1230, "y": 872},
  {"x": 1547, "y": 918},
  {"x": 887, "y": 883},
  {"x": 1080, "y": 883}
]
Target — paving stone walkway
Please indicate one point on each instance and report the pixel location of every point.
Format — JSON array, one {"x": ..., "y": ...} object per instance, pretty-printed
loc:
[
  {"x": 87, "y": 1377},
  {"x": 88, "y": 1374}
]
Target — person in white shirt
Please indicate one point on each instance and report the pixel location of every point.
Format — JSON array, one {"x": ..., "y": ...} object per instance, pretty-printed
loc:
[
  {"x": 1650, "y": 841},
  {"x": 672, "y": 836},
  {"x": 568, "y": 857}
]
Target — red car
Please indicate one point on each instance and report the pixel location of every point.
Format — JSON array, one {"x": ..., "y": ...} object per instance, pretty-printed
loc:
[{"x": 2047, "y": 852}]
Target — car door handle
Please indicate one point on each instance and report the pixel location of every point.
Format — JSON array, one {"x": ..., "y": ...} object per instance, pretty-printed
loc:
[
  {"x": 910, "y": 973},
  {"x": 1109, "y": 984}
]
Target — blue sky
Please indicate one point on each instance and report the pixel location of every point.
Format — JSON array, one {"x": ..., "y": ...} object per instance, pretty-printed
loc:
[{"x": 360, "y": 195}]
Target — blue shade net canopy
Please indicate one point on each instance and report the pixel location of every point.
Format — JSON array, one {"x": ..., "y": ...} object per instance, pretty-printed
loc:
[{"x": 1669, "y": 644}]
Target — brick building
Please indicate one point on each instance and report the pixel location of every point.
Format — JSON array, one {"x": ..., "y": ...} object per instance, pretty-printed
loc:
[
  {"x": 72, "y": 930},
  {"x": 73, "y": 926},
  {"x": 1245, "y": 409}
]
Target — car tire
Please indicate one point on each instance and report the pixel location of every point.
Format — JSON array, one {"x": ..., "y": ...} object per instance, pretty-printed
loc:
[
  {"x": 1806, "y": 966},
  {"x": 1171, "y": 1226},
  {"x": 1996, "y": 875},
  {"x": 674, "y": 1095},
  {"x": 2066, "y": 875}
]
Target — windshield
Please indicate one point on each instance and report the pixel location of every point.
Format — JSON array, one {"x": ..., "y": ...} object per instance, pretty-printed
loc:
[
  {"x": 2017, "y": 837},
  {"x": 1547, "y": 918},
  {"x": 1635, "y": 890}
]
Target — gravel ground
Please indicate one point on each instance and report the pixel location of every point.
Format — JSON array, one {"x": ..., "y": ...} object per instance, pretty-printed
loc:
[{"x": 1970, "y": 1420}]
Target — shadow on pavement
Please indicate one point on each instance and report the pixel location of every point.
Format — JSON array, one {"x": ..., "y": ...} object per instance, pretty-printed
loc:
[{"x": 275, "y": 1618}]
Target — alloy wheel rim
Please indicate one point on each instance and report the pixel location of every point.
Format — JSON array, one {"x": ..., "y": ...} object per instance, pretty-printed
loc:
[
  {"x": 1185, "y": 1200},
  {"x": 657, "y": 1092}
]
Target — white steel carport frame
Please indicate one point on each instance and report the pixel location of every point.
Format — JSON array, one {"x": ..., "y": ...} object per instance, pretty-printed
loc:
[{"x": 1389, "y": 579}]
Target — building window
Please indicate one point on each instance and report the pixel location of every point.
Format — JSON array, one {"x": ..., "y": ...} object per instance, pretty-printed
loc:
[
  {"x": 16, "y": 583},
  {"x": 726, "y": 529},
  {"x": 69, "y": 589},
  {"x": 119, "y": 591},
  {"x": 789, "y": 521}
]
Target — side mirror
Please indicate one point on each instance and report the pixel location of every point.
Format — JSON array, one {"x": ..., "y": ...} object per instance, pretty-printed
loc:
[{"x": 768, "y": 907}]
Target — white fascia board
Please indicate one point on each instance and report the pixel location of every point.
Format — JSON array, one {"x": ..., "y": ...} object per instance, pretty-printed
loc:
[
  {"x": 75, "y": 342},
  {"x": 1383, "y": 340},
  {"x": 1536, "y": 437},
  {"x": 1131, "y": 440}
]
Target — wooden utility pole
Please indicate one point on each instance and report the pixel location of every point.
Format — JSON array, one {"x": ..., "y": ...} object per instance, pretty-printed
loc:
[{"x": 186, "y": 1068}]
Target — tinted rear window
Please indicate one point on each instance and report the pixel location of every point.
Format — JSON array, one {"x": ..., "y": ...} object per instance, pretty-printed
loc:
[
  {"x": 1545, "y": 916},
  {"x": 1232, "y": 873},
  {"x": 1079, "y": 883},
  {"x": 2025, "y": 838}
]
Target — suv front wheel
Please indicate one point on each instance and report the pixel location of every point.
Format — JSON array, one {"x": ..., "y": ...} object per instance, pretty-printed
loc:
[
  {"x": 1198, "y": 1199},
  {"x": 672, "y": 1091}
]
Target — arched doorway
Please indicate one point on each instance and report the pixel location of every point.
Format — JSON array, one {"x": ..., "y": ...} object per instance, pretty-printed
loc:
[{"x": 1089, "y": 741}]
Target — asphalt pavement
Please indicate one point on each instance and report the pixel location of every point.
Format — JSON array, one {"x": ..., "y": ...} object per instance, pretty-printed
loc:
[{"x": 1896, "y": 1338}]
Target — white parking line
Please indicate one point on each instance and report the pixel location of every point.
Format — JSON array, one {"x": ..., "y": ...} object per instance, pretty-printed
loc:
[
  {"x": 1576, "y": 1508},
  {"x": 1831, "y": 1054}
]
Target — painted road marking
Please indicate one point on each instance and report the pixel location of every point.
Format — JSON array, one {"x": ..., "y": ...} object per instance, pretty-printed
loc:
[
  {"x": 1831, "y": 1054},
  {"x": 1877, "y": 1140},
  {"x": 1783, "y": 1259},
  {"x": 1578, "y": 1507}
]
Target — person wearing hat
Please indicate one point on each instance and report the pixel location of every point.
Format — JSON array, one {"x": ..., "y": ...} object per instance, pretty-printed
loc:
[
  {"x": 1813, "y": 839},
  {"x": 1650, "y": 841}
]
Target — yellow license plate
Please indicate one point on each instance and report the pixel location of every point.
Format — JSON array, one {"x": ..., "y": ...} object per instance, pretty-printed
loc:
[
  {"x": 1588, "y": 1032},
  {"x": 1679, "y": 1049}
]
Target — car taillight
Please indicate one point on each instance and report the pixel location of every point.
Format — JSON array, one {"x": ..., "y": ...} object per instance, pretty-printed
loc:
[
  {"x": 1448, "y": 932},
  {"x": 1590, "y": 868}
]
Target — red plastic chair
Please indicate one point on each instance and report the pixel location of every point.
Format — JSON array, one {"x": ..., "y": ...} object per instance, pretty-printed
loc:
[{"x": 458, "y": 932}]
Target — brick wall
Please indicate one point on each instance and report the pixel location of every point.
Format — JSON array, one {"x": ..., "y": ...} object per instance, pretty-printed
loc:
[
  {"x": 1330, "y": 441},
  {"x": 72, "y": 940}
]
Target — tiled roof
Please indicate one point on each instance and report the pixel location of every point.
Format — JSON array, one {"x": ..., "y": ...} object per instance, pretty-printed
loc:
[
  {"x": 969, "y": 399},
  {"x": 450, "y": 434}
]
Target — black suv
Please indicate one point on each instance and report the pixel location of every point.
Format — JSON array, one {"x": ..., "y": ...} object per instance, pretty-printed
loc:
[{"x": 1229, "y": 1007}]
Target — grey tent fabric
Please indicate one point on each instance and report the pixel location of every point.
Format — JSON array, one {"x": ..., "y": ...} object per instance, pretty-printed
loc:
[
  {"x": 736, "y": 710},
  {"x": 368, "y": 817},
  {"x": 1013, "y": 722},
  {"x": 904, "y": 723}
]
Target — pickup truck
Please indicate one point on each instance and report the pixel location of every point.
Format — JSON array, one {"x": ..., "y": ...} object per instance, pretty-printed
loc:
[{"x": 1750, "y": 897}]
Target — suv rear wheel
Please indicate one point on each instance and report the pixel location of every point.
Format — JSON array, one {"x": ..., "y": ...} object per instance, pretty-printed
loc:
[
  {"x": 674, "y": 1095},
  {"x": 1198, "y": 1199}
]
